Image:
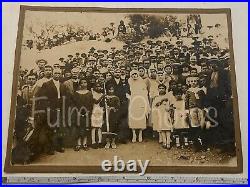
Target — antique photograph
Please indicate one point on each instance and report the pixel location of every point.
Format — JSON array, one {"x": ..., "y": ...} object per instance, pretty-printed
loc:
[{"x": 105, "y": 90}]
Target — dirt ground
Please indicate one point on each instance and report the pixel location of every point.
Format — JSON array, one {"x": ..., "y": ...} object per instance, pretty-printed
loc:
[{"x": 147, "y": 150}]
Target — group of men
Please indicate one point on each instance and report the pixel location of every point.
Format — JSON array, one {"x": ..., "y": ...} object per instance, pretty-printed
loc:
[{"x": 168, "y": 63}]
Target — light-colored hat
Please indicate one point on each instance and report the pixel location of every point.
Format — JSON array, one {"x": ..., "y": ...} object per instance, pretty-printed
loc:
[
  {"x": 41, "y": 60},
  {"x": 75, "y": 70},
  {"x": 225, "y": 57},
  {"x": 91, "y": 58}
]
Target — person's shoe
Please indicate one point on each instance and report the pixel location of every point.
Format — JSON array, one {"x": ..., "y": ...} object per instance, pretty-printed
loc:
[
  {"x": 113, "y": 145},
  {"x": 61, "y": 150},
  {"x": 77, "y": 148},
  {"x": 160, "y": 139},
  {"x": 164, "y": 146},
  {"x": 51, "y": 152},
  {"x": 177, "y": 140},
  {"x": 100, "y": 145},
  {"x": 140, "y": 139},
  {"x": 85, "y": 148},
  {"x": 133, "y": 140},
  {"x": 185, "y": 142},
  {"x": 168, "y": 146},
  {"x": 204, "y": 148},
  {"x": 94, "y": 146},
  {"x": 107, "y": 146}
]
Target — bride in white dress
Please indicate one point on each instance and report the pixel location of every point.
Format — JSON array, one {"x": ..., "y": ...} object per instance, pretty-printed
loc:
[{"x": 138, "y": 104}]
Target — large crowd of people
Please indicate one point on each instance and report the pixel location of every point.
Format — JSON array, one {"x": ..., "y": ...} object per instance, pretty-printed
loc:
[
  {"x": 50, "y": 37},
  {"x": 176, "y": 94}
]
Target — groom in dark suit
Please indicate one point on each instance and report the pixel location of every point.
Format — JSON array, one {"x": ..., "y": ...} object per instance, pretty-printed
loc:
[
  {"x": 121, "y": 88},
  {"x": 54, "y": 91}
]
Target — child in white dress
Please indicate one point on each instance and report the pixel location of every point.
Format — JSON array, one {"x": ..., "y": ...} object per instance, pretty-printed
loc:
[
  {"x": 161, "y": 116},
  {"x": 180, "y": 122},
  {"x": 97, "y": 115}
]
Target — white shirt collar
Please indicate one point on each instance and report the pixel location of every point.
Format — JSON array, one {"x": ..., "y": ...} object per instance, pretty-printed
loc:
[{"x": 117, "y": 80}]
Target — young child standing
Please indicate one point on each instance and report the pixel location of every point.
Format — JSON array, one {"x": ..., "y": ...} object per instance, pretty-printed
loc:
[
  {"x": 97, "y": 115},
  {"x": 193, "y": 105},
  {"x": 161, "y": 116},
  {"x": 180, "y": 122},
  {"x": 83, "y": 98},
  {"x": 113, "y": 104}
]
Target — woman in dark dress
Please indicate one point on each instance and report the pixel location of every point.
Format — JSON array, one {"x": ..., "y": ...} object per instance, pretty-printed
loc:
[{"x": 84, "y": 102}]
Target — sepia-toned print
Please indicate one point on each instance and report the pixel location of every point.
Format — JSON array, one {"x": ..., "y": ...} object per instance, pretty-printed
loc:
[{"x": 124, "y": 90}]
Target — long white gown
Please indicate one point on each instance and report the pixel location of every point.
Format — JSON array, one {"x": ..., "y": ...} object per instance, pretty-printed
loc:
[{"x": 138, "y": 104}]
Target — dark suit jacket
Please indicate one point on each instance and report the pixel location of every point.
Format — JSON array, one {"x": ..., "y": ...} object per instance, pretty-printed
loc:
[
  {"x": 191, "y": 101},
  {"x": 69, "y": 85},
  {"x": 49, "y": 90},
  {"x": 120, "y": 89}
]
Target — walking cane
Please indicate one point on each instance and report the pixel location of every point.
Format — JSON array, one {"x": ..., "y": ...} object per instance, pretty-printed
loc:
[{"x": 107, "y": 113}]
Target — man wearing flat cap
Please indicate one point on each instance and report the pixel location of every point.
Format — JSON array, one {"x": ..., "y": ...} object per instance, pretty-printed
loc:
[
  {"x": 203, "y": 82},
  {"x": 176, "y": 68},
  {"x": 61, "y": 61},
  {"x": 185, "y": 72},
  {"x": 40, "y": 65},
  {"x": 78, "y": 59},
  {"x": 27, "y": 89},
  {"x": 47, "y": 77},
  {"x": 71, "y": 84},
  {"x": 70, "y": 58},
  {"x": 193, "y": 63},
  {"x": 179, "y": 43},
  {"x": 92, "y": 61},
  {"x": 175, "y": 54}
]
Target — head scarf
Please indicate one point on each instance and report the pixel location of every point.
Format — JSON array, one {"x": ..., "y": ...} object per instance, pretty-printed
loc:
[{"x": 133, "y": 72}]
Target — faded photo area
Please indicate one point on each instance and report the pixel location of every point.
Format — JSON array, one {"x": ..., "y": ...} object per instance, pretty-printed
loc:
[{"x": 93, "y": 86}]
